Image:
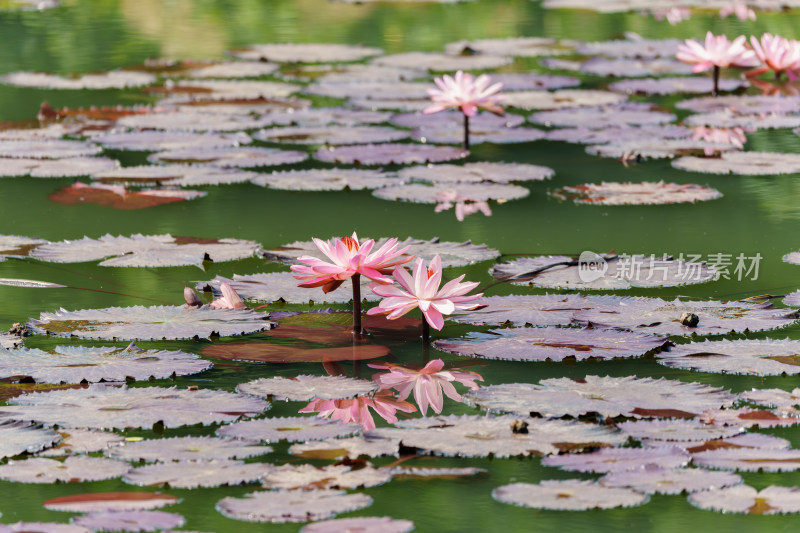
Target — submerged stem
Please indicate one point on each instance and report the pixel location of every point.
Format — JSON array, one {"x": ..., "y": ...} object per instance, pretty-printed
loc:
[
  {"x": 715, "y": 91},
  {"x": 426, "y": 332},
  {"x": 356, "y": 279},
  {"x": 466, "y": 132}
]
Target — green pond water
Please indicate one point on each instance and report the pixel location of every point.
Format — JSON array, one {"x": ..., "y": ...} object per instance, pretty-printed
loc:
[{"x": 756, "y": 215}]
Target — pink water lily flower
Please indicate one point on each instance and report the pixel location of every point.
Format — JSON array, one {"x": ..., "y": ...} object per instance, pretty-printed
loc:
[
  {"x": 739, "y": 9},
  {"x": 717, "y": 51},
  {"x": 673, "y": 15},
  {"x": 422, "y": 290},
  {"x": 230, "y": 299},
  {"x": 428, "y": 384},
  {"x": 465, "y": 92},
  {"x": 464, "y": 206},
  {"x": 358, "y": 409},
  {"x": 348, "y": 258},
  {"x": 733, "y": 136},
  {"x": 777, "y": 54}
]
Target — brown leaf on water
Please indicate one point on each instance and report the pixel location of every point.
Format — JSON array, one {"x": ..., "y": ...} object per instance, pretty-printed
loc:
[
  {"x": 112, "y": 501},
  {"x": 264, "y": 352},
  {"x": 335, "y": 329},
  {"x": 118, "y": 197},
  {"x": 13, "y": 386},
  {"x": 663, "y": 413}
]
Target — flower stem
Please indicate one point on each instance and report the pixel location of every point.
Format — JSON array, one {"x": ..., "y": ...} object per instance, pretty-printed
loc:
[
  {"x": 426, "y": 332},
  {"x": 715, "y": 92},
  {"x": 466, "y": 132},
  {"x": 356, "y": 279}
]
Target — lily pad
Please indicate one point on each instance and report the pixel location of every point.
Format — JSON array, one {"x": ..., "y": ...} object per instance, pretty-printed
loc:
[
  {"x": 644, "y": 193},
  {"x": 352, "y": 447},
  {"x": 620, "y": 459},
  {"x": 116, "y": 79},
  {"x": 608, "y": 396},
  {"x": 624, "y": 273},
  {"x": 102, "y": 407},
  {"x": 231, "y": 157},
  {"x": 743, "y": 163},
  {"x": 192, "y": 474},
  {"x": 149, "y": 323},
  {"x": 304, "y": 388},
  {"x": 21, "y": 437},
  {"x": 602, "y": 117},
  {"x": 119, "y": 197},
  {"x": 617, "y": 134},
  {"x": 634, "y": 68},
  {"x": 361, "y": 524},
  {"x": 193, "y": 119},
  {"x": 727, "y": 119},
  {"x": 330, "y": 135},
  {"x": 764, "y": 357},
  {"x": 291, "y": 429},
  {"x": 560, "y": 99},
  {"x": 453, "y": 119},
  {"x": 377, "y": 90},
  {"x": 439, "y": 62},
  {"x": 479, "y": 135},
  {"x": 275, "y": 286},
  {"x": 45, "y": 149},
  {"x": 156, "y": 141},
  {"x": 129, "y": 521},
  {"x": 197, "y": 90},
  {"x": 745, "y": 499},
  {"x": 515, "y": 46},
  {"x": 772, "y": 397},
  {"x": 677, "y": 430},
  {"x": 632, "y": 46},
  {"x": 658, "y": 316},
  {"x": 670, "y": 480},
  {"x": 234, "y": 69},
  {"x": 431, "y": 194},
  {"x": 750, "y": 418},
  {"x": 528, "y": 82},
  {"x": 682, "y": 85},
  {"x": 480, "y": 436},
  {"x": 476, "y": 173},
  {"x": 741, "y": 104},
  {"x": 749, "y": 459},
  {"x": 186, "y": 449},
  {"x": 327, "y": 179},
  {"x": 42, "y": 527},
  {"x": 72, "y": 470},
  {"x": 77, "y": 364},
  {"x": 83, "y": 441},
  {"x": 281, "y": 507},
  {"x": 389, "y": 154},
  {"x": 552, "y": 344},
  {"x": 325, "y": 116},
  {"x": 656, "y": 148},
  {"x": 174, "y": 175},
  {"x": 309, "y": 477},
  {"x": 567, "y": 495},
  {"x": 146, "y": 250}
]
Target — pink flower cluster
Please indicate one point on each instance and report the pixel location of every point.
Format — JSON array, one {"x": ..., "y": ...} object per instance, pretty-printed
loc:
[{"x": 777, "y": 54}]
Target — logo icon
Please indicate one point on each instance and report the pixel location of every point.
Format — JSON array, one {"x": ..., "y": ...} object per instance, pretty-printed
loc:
[{"x": 591, "y": 266}]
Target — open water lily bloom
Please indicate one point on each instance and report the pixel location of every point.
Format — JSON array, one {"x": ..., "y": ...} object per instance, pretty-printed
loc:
[
  {"x": 428, "y": 384},
  {"x": 349, "y": 257},
  {"x": 740, "y": 9},
  {"x": 777, "y": 54},
  {"x": 465, "y": 92},
  {"x": 358, "y": 409},
  {"x": 717, "y": 51},
  {"x": 422, "y": 291}
]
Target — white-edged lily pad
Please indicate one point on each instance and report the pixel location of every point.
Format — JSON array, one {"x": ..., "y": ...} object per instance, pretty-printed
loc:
[
  {"x": 677, "y": 430},
  {"x": 291, "y": 429},
  {"x": 454, "y": 119},
  {"x": 234, "y": 69},
  {"x": 231, "y": 157},
  {"x": 83, "y": 441},
  {"x": 632, "y": 46},
  {"x": 479, "y": 135},
  {"x": 608, "y": 460},
  {"x": 45, "y": 149},
  {"x": 431, "y": 194},
  {"x": 352, "y": 447},
  {"x": 202, "y": 90},
  {"x": 552, "y": 344},
  {"x": 439, "y": 62},
  {"x": 304, "y": 388},
  {"x": 72, "y": 469},
  {"x": 172, "y": 175},
  {"x": 749, "y": 459},
  {"x": 330, "y": 135},
  {"x": 561, "y": 99},
  {"x": 310, "y": 477},
  {"x": 743, "y": 163},
  {"x": 655, "y": 315},
  {"x": 609, "y": 396},
  {"x": 528, "y": 82},
  {"x": 754, "y": 104},
  {"x": 291, "y": 506},
  {"x": 656, "y": 148},
  {"x": 476, "y": 173},
  {"x": 371, "y": 90},
  {"x": 760, "y": 357},
  {"x": 744, "y": 440},
  {"x": 617, "y": 134},
  {"x": 481, "y": 436},
  {"x": 602, "y": 117},
  {"x": 624, "y": 273},
  {"x": 772, "y": 397},
  {"x": 186, "y": 449},
  {"x": 792, "y": 299},
  {"x": 77, "y": 364},
  {"x": 146, "y": 250},
  {"x": 102, "y": 407},
  {"x": 156, "y": 141},
  {"x": 361, "y": 524},
  {"x": 751, "y": 418},
  {"x": 129, "y": 521},
  {"x": 567, "y": 495},
  {"x": 727, "y": 119},
  {"x": 684, "y": 85},
  {"x": 110, "y": 501},
  {"x": 116, "y": 79},
  {"x": 389, "y": 154},
  {"x": 149, "y": 323},
  {"x": 634, "y": 68},
  {"x": 748, "y": 500},
  {"x": 325, "y": 116},
  {"x": 644, "y": 193},
  {"x": 514, "y": 46},
  {"x": 326, "y": 179},
  {"x": 670, "y": 480},
  {"x": 193, "y": 474},
  {"x": 192, "y": 119},
  {"x": 21, "y": 437}
]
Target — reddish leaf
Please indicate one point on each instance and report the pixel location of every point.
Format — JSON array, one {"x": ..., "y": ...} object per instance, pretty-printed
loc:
[
  {"x": 79, "y": 193},
  {"x": 264, "y": 352},
  {"x": 334, "y": 328},
  {"x": 115, "y": 500}
]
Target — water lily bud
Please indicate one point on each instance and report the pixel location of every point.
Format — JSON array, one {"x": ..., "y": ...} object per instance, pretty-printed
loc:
[{"x": 191, "y": 297}]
